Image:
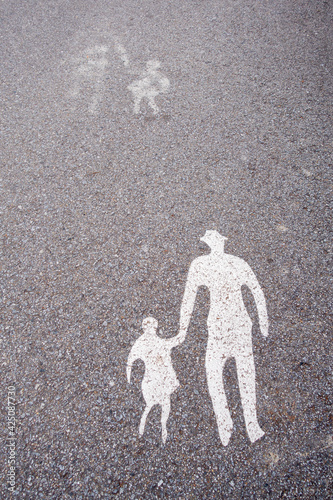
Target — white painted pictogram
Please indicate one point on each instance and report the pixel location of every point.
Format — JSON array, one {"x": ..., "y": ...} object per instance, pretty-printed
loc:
[
  {"x": 229, "y": 336},
  {"x": 151, "y": 84},
  {"x": 160, "y": 379},
  {"x": 229, "y": 328}
]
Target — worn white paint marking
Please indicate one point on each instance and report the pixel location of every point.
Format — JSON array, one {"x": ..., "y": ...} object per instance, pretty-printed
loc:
[
  {"x": 229, "y": 328},
  {"x": 281, "y": 228},
  {"x": 91, "y": 70},
  {"x": 160, "y": 379},
  {"x": 328, "y": 443},
  {"x": 123, "y": 54},
  {"x": 306, "y": 172},
  {"x": 272, "y": 458},
  {"x": 151, "y": 84}
]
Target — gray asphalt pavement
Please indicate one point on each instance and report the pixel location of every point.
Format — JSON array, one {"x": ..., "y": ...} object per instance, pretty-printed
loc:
[{"x": 103, "y": 204}]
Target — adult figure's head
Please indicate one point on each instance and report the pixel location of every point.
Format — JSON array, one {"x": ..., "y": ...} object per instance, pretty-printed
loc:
[
  {"x": 214, "y": 240},
  {"x": 149, "y": 325}
]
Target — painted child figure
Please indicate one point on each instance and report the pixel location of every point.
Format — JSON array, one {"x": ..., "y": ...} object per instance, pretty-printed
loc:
[{"x": 160, "y": 379}]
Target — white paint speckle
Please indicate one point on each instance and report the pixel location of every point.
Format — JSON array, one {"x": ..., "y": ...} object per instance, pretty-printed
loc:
[
  {"x": 281, "y": 228},
  {"x": 274, "y": 457},
  {"x": 306, "y": 172}
]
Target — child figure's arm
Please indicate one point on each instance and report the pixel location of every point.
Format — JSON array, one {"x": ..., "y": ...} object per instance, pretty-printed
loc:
[{"x": 178, "y": 339}]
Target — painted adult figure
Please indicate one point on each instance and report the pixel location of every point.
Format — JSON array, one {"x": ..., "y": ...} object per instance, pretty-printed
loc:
[{"x": 229, "y": 328}]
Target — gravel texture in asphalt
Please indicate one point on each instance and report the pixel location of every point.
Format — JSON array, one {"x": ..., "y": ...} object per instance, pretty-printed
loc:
[{"x": 102, "y": 211}]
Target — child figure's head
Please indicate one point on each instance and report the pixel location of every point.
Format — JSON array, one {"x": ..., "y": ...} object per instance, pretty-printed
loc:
[{"x": 149, "y": 325}]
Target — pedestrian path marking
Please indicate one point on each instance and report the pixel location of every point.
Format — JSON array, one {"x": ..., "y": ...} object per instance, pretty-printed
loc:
[
  {"x": 91, "y": 72},
  {"x": 151, "y": 84},
  {"x": 229, "y": 336}
]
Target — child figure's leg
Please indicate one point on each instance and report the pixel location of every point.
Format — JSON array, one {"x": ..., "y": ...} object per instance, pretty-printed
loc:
[
  {"x": 137, "y": 102},
  {"x": 143, "y": 419},
  {"x": 164, "y": 419},
  {"x": 152, "y": 104}
]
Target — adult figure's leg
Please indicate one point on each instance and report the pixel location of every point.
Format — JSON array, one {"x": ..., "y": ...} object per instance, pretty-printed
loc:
[
  {"x": 215, "y": 362},
  {"x": 144, "y": 418},
  {"x": 164, "y": 418},
  {"x": 247, "y": 388}
]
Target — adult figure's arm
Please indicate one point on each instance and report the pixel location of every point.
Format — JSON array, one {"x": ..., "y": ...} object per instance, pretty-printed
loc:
[
  {"x": 191, "y": 288},
  {"x": 251, "y": 281}
]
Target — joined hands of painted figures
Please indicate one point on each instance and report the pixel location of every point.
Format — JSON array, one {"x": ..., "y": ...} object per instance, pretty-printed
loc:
[{"x": 229, "y": 336}]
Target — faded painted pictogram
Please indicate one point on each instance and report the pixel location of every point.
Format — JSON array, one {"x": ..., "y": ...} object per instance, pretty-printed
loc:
[
  {"x": 151, "y": 84},
  {"x": 91, "y": 73}
]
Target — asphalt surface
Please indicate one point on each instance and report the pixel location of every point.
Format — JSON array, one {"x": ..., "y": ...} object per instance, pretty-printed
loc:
[{"x": 102, "y": 211}]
